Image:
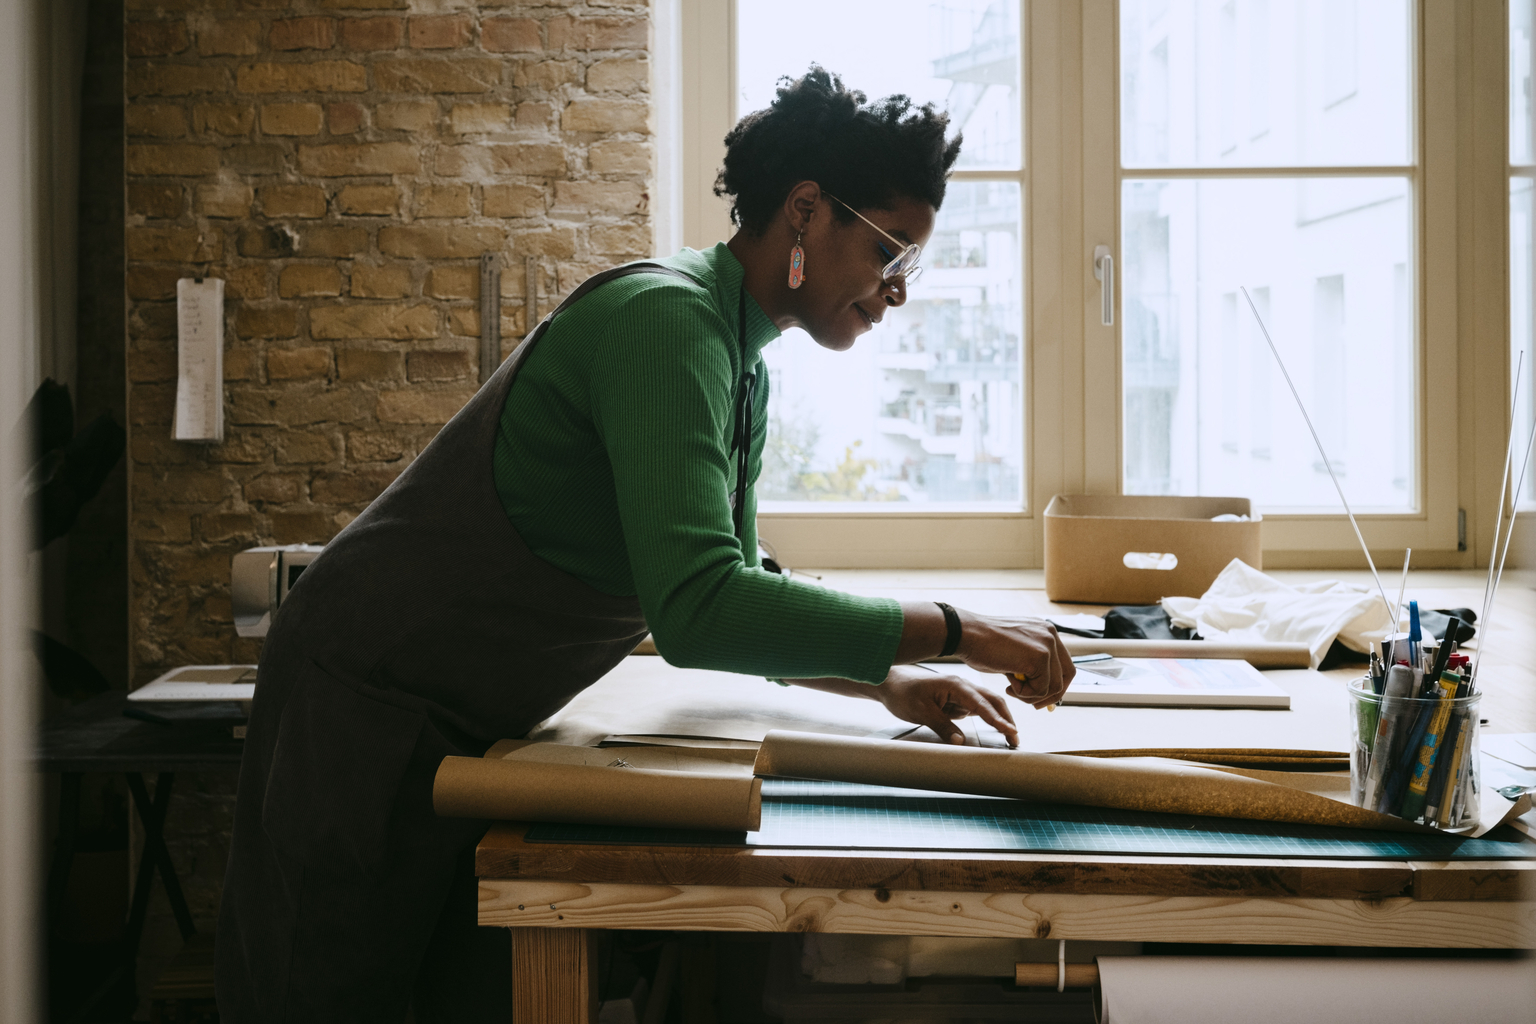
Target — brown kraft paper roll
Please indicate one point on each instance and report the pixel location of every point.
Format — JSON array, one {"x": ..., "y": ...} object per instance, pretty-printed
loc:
[
  {"x": 523, "y": 790},
  {"x": 1132, "y": 784}
]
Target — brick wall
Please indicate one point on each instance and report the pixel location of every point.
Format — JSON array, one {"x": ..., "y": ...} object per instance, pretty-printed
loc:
[{"x": 342, "y": 164}]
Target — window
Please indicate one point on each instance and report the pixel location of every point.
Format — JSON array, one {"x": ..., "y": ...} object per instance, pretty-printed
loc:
[
  {"x": 1522, "y": 228},
  {"x": 928, "y": 409},
  {"x": 1312, "y": 157}
]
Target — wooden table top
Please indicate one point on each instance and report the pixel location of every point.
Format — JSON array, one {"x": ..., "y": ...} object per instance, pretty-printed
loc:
[{"x": 1317, "y": 721}]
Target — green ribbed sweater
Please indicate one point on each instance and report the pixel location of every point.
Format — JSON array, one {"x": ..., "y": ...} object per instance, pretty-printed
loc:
[{"x": 613, "y": 461}]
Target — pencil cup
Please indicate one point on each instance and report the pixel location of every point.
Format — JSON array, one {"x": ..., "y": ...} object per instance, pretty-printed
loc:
[{"x": 1415, "y": 757}]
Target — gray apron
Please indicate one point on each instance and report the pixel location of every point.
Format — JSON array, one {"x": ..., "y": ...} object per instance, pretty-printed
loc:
[{"x": 426, "y": 628}]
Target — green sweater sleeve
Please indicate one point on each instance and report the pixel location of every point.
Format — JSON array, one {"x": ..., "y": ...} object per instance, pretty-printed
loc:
[{"x": 662, "y": 383}]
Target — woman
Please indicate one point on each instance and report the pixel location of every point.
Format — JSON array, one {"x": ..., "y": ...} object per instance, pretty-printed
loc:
[{"x": 541, "y": 535}]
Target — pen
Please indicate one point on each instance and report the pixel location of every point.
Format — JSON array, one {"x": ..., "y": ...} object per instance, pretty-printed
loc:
[{"x": 1418, "y": 788}]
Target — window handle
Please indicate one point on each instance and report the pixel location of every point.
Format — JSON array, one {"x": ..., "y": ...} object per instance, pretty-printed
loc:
[{"x": 1104, "y": 270}]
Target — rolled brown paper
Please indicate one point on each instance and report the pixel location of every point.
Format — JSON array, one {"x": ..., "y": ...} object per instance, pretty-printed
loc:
[
  {"x": 512, "y": 790},
  {"x": 1078, "y": 975},
  {"x": 1132, "y": 784}
]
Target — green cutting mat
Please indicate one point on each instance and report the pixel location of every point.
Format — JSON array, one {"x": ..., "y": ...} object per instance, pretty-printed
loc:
[{"x": 833, "y": 815}]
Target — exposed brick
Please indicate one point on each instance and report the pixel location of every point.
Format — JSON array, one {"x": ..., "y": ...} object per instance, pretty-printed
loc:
[
  {"x": 513, "y": 200},
  {"x": 461, "y": 74},
  {"x": 369, "y": 200},
  {"x": 151, "y": 404},
  {"x": 452, "y": 282},
  {"x": 622, "y": 239},
  {"x": 433, "y": 242},
  {"x": 295, "y": 406},
  {"x": 151, "y": 283},
  {"x": 163, "y": 526},
  {"x": 627, "y": 75},
  {"x": 373, "y": 321},
  {"x": 344, "y": 118},
  {"x": 364, "y": 5},
  {"x": 359, "y": 158},
  {"x": 301, "y": 527},
  {"x": 298, "y": 363},
  {"x": 303, "y": 280},
  {"x": 619, "y": 156},
  {"x": 267, "y": 322},
  {"x": 221, "y": 526},
  {"x": 534, "y": 115},
  {"x": 438, "y": 364},
  {"x": 320, "y": 76},
  {"x": 389, "y": 282},
  {"x": 276, "y": 488},
  {"x": 190, "y": 486},
  {"x": 152, "y": 199},
  {"x": 232, "y": 37},
  {"x": 152, "y": 321},
  {"x": 418, "y": 406},
  {"x": 353, "y": 487},
  {"x": 598, "y": 197},
  {"x": 302, "y": 34},
  {"x": 606, "y": 115},
  {"x": 478, "y": 117},
  {"x": 372, "y": 33},
  {"x": 335, "y": 241},
  {"x": 161, "y": 122},
  {"x": 173, "y": 245},
  {"x": 174, "y": 79},
  {"x": 226, "y": 199},
  {"x": 151, "y": 364},
  {"x": 248, "y": 281},
  {"x": 546, "y": 74},
  {"x": 510, "y": 35},
  {"x": 464, "y": 321},
  {"x": 269, "y": 241},
  {"x": 255, "y": 159},
  {"x": 297, "y": 447},
  {"x": 406, "y": 115},
  {"x": 292, "y": 118},
  {"x": 233, "y": 119},
  {"x": 441, "y": 31},
  {"x": 558, "y": 244},
  {"x": 180, "y": 160},
  {"x": 480, "y": 162},
  {"x": 369, "y": 364},
  {"x": 571, "y": 33},
  {"x": 242, "y": 364},
  {"x": 370, "y": 447},
  {"x": 292, "y": 201},
  {"x": 155, "y": 38},
  {"x": 442, "y": 201}
]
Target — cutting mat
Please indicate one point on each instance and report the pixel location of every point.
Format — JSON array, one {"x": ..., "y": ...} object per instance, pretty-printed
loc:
[{"x": 831, "y": 815}]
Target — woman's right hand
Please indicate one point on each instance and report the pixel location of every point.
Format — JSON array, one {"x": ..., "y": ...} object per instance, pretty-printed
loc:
[{"x": 1028, "y": 651}]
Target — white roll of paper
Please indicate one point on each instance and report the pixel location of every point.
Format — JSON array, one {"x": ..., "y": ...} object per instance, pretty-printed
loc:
[{"x": 1285, "y": 990}]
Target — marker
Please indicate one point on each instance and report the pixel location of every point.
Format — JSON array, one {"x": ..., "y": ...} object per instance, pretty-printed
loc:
[
  {"x": 1445, "y": 770},
  {"x": 1393, "y": 713},
  {"x": 1418, "y": 789}
]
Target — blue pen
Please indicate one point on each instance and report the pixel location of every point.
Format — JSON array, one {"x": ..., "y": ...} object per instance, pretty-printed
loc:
[{"x": 1415, "y": 633}]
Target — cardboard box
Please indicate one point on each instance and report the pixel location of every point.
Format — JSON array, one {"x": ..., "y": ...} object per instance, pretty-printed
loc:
[{"x": 1088, "y": 538}]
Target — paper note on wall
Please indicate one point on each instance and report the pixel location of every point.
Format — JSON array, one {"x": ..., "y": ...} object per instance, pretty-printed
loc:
[{"x": 199, "y": 412}]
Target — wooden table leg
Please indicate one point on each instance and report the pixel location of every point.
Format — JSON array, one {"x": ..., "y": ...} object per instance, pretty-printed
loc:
[{"x": 554, "y": 976}]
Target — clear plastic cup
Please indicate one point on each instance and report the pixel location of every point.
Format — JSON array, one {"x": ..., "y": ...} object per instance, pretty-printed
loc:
[{"x": 1430, "y": 771}]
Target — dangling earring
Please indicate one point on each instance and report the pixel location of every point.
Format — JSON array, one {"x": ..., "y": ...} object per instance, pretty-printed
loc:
[{"x": 797, "y": 264}]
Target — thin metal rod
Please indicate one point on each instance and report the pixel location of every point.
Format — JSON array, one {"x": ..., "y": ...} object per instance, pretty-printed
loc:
[
  {"x": 1397, "y": 609},
  {"x": 1505, "y": 472},
  {"x": 1386, "y": 605},
  {"x": 1508, "y": 536}
]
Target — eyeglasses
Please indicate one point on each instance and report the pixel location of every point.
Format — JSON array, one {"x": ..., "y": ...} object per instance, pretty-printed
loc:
[{"x": 905, "y": 265}]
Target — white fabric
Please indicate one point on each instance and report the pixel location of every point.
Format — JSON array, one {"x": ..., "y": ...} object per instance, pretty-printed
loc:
[
  {"x": 1245, "y": 605},
  {"x": 1288, "y": 990}
]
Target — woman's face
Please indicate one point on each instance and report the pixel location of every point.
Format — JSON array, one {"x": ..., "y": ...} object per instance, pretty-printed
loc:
[{"x": 843, "y": 295}]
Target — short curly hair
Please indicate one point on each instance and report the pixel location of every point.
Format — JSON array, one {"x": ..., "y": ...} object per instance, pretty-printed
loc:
[{"x": 867, "y": 154}]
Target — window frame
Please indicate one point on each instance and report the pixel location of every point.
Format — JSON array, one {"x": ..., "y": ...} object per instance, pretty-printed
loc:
[{"x": 1071, "y": 179}]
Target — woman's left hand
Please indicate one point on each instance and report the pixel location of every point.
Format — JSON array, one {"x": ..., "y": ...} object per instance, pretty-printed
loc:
[{"x": 936, "y": 700}]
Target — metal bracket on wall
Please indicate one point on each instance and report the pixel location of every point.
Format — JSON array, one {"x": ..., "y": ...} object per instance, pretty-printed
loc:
[
  {"x": 531, "y": 294},
  {"x": 490, "y": 315}
]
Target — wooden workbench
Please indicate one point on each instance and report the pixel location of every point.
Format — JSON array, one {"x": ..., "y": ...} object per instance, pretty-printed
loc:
[{"x": 557, "y": 897}]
